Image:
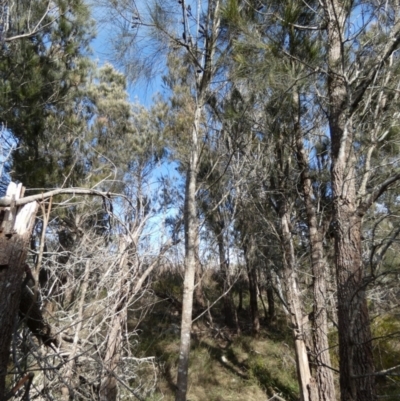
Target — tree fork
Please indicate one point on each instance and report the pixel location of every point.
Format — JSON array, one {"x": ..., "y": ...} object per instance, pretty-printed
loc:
[{"x": 355, "y": 346}]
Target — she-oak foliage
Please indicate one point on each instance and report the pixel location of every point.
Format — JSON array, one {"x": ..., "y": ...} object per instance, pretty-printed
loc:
[
  {"x": 294, "y": 104},
  {"x": 42, "y": 103}
]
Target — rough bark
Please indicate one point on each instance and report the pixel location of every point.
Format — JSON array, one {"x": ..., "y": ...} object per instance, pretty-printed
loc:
[
  {"x": 357, "y": 381},
  {"x": 322, "y": 360},
  {"x": 16, "y": 227}
]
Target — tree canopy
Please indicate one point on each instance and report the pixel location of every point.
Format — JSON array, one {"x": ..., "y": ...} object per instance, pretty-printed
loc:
[{"x": 254, "y": 201}]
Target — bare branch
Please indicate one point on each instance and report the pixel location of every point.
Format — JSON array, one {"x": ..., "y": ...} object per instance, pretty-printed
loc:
[
  {"x": 376, "y": 193},
  {"x": 392, "y": 45},
  {"x": 381, "y": 372},
  {"x": 6, "y": 201}
]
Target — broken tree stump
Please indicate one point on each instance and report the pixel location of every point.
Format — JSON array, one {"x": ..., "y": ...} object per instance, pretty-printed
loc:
[{"x": 16, "y": 225}]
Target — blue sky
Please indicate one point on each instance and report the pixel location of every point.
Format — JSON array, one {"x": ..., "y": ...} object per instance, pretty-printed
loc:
[{"x": 140, "y": 91}]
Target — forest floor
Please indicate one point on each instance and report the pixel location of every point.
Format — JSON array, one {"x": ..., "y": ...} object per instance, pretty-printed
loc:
[{"x": 224, "y": 366}]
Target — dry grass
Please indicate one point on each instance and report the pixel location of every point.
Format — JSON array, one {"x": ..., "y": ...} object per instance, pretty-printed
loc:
[
  {"x": 220, "y": 370},
  {"x": 223, "y": 366}
]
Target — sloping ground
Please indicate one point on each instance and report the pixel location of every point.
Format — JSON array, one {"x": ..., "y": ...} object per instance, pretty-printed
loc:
[
  {"x": 245, "y": 369},
  {"x": 229, "y": 367},
  {"x": 223, "y": 366},
  {"x": 386, "y": 332}
]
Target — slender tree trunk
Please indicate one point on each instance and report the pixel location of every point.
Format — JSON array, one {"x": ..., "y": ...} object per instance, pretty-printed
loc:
[
  {"x": 109, "y": 384},
  {"x": 230, "y": 314},
  {"x": 270, "y": 297},
  {"x": 255, "y": 314},
  {"x": 16, "y": 227},
  {"x": 307, "y": 384},
  {"x": 203, "y": 81},
  {"x": 322, "y": 360},
  {"x": 191, "y": 229},
  {"x": 240, "y": 291},
  {"x": 279, "y": 292},
  {"x": 199, "y": 297},
  {"x": 253, "y": 288},
  {"x": 308, "y": 390},
  {"x": 262, "y": 302},
  {"x": 355, "y": 347}
]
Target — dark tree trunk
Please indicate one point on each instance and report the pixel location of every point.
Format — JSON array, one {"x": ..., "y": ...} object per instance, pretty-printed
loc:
[
  {"x": 255, "y": 314},
  {"x": 253, "y": 287},
  {"x": 259, "y": 291},
  {"x": 11, "y": 277},
  {"x": 240, "y": 293},
  {"x": 357, "y": 381},
  {"x": 355, "y": 346},
  {"x": 270, "y": 297},
  {"x": 320, "y": 352}
]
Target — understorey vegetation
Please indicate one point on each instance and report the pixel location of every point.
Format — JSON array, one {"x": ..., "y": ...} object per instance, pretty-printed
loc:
[{"x": 235, "y": 236}]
